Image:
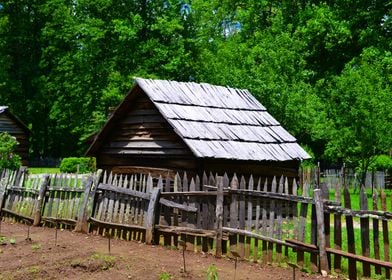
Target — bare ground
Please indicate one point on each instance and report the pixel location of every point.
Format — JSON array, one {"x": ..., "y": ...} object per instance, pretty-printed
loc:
[{"x": 81, "y": 256}]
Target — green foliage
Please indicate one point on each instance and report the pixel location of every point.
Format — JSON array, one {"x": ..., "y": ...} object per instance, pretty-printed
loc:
[
  {"x": 8, "y": 159},
  {"x": 70, "y": 165},
  {"x": 212, "y": 272},
  {"x": 381, "y": 163},
  {"x": 36, "y": 246},
  {"x": 322, "y": 68},
  {"x": 165, "y": 276},
  {"x": 360, "y": 109},
  {"x": 106, "y": 262}
]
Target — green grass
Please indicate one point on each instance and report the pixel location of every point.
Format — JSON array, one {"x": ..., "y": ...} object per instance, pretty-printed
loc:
[
  {"x": 43, "y": 170},
  {"x": 355, "y": 199}
]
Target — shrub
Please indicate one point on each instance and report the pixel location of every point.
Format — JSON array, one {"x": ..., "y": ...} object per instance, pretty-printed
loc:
[
  {"x": 8, "y": 159},
  {"x": 70, "y": 165},
  {"x": 381, "y": 162}
]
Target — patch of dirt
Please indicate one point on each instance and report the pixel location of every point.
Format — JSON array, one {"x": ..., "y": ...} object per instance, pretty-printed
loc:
[{"x": 81, "y": 256}]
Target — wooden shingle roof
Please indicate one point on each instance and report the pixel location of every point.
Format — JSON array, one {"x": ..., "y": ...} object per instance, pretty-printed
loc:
[
  {"x": 5, "y": 127},
  {"x": 3, "y": 109},
  {"x": 221, "y": 122}
]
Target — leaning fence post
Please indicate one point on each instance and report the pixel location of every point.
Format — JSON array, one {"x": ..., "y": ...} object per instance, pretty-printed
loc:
[
  {"x": 324, "y": 268},
  {"x": 219, "y": 217},
  {"x": 3, "y": 190},
  {"x": 82, "y": 223},
  {"x": 151, "y": 212},
  {"x": 41, "y": 198}
]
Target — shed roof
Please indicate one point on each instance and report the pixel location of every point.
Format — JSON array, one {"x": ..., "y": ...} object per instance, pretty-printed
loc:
[
  {"x": 220, "y": 122},
  {"x": 5, "y": 110}
]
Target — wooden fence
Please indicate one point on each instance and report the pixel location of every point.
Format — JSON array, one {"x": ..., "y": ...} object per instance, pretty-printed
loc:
[{"x": 259, "y": 219}]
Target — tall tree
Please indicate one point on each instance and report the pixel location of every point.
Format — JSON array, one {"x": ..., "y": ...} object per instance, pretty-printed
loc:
[{"x": 360, "y": 109}]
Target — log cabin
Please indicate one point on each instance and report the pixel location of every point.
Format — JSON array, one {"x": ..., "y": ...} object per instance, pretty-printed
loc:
[
  {"x": 169, "y": 126},
  {"x": 11, "y": 124}
]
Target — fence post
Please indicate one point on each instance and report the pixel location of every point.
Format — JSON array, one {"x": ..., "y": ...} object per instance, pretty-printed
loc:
[
  {"x": 41, "y": 198},
  {"x": 151, "y": 212},
  {"x": 219, "y": 217},
  {"x": 324, "y": 268},
  {"x": 3, "y": 190},
  {"x": 82, "y": 223}
]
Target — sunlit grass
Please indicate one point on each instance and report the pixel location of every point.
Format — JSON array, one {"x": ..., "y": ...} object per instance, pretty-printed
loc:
[{"x": 43, "y": 170}]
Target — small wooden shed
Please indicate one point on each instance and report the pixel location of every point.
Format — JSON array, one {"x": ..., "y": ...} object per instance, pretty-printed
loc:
[
  {"x": 179, "y": 126},
  {"x": 15, "y": 127}
]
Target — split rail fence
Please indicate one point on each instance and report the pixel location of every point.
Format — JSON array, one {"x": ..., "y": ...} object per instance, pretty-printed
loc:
[{"x": 262, "y": 220}]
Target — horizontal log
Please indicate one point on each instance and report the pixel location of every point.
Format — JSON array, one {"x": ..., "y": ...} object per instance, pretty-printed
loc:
[
  {"x": 154, "y": 172},
  {"x": 144, "y": 112},
  {"x": 257, "y": 236},
  {"x": 311, "y": 248},
  {"x": 111, "y": 188},
  {"x": 186, "y": 230},
  {"x": 193, "y": 193},
  {"x": 280, "y": 196},
  {"x": 64, "y": 189},
  {"x": 145, "y": 144},
  {"x": 143, "y": 119},
  {"x": 146, "y": 152},
  {"x": 23, "y": 217},
  {"x": 182, "y": 207},
  {"x": 359, "y": 258},
  {"x": 381, "y": 215},
  {"x": 115, "y": 225},
  {"x": 54, "y": 220},
  {"x": 22, "y": 189}
]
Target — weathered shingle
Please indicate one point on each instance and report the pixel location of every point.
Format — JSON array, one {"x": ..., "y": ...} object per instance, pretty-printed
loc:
[{"x": 222, "y": 122}]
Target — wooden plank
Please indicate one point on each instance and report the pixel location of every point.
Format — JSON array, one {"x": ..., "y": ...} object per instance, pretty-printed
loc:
[
  {"x": 313, "y": 240},
  {"x": 3, "y": 191},
  {"x": 182, "y": 207},
  {"x": 211, "y": 206},
  {"x": 112, "y": 188},
  {"x": 82, "y": 224},
  {"x": 387, "y": 265},
  {"x": 352, "y": 267},
  {"x": 376, "y": 233},
  {"x": 249, "y": 217},
  {"x": 258, "y": 236},
  {"x": 71, "y": 197},
  {"x": 166, "y": 211},
  {"x": 365, "y": 236},
  {"x": 241, "y": 204},
  {"x": 324, "y": 266},
  {"x": 337, "y": 229},
  {"x": 257, "y": 223},
  {"x": 39, "y": 204},
  {"x": 187, "y": 231},
  {"x": 233, "y": 213},
  {"x": 279, "y": 220},
  {"x": 385, "y": 233},
  {"x": 327, "y": 220},
  {"x": 152, "y": 211},
  {"x": 204, "y": 214},
  {"x": 219, "y": 218},
  {"x": 226, "y": 212},
  {"x": 185, "y": 188},
  {"x": 264, "y": 223},
  {"x": 271, "y": 226}
]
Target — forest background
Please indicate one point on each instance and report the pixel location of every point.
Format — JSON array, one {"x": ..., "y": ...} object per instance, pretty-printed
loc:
[{"x": 322, "y": 68}]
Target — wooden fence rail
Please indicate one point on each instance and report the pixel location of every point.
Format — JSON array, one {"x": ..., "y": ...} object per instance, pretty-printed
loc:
[{"x": 262, "y": 220}]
